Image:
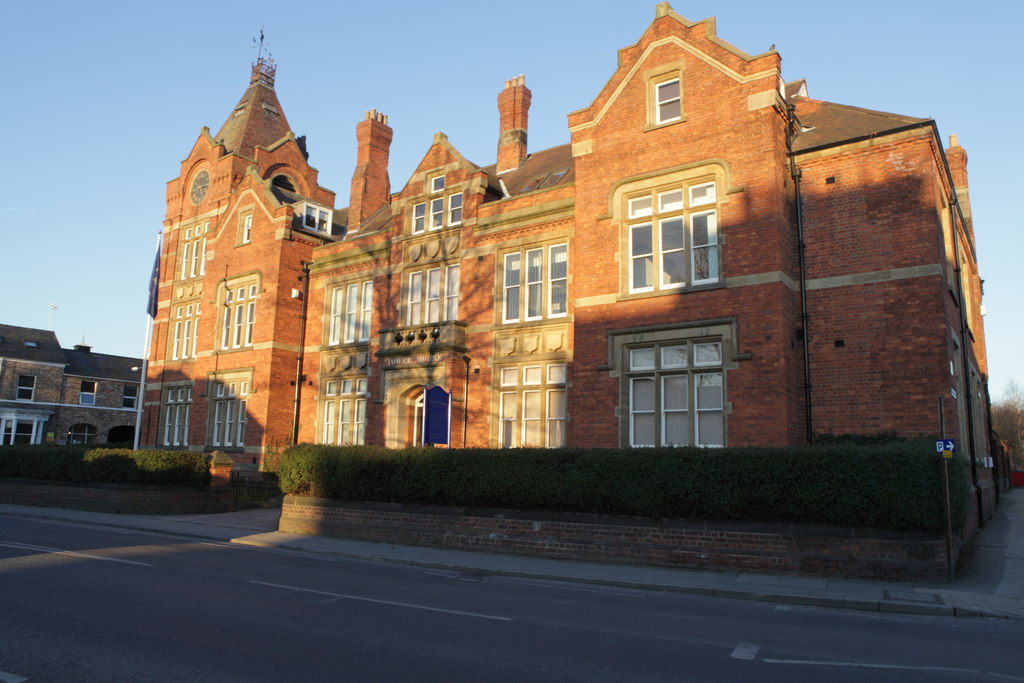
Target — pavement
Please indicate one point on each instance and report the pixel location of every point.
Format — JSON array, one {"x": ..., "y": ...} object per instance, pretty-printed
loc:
[{"x": 989, "y": 582}]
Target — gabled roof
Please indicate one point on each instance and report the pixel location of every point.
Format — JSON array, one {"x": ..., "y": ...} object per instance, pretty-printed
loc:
[
  {"x": 26, "y": 343},
  {"x": 257, "y": 119},
  {"x": 827, "y": 123},
  {"x": 88, "y": 364}
]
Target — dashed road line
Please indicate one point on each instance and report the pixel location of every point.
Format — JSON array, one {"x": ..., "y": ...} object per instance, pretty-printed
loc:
[
  {"x": 864, "y": 665},
  {"x": 392, "y": 603}
]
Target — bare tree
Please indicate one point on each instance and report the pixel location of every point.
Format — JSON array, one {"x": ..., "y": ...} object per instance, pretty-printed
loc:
[{"x": 1008, "y": 422}]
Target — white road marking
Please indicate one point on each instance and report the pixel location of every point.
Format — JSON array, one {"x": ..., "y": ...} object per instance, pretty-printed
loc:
[
  {"x": 1007, "y": 677},
  {"x": 862, "y": 665},
  {"x": 745, "y": 651},
  {"x": 11, "y": 678},
  {"x": 563, "y": 586},
  {"x": 72, "y": 553},
  {"x": 381, "y": 602}
]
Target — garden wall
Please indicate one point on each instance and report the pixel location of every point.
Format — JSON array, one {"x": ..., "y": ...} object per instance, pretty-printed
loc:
[
  {"x": 118, "y": 498},
  {"x": 834, "y": 551}
]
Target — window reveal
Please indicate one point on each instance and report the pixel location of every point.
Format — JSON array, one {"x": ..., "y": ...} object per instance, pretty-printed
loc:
[
  {"x": 239, "y": 318},
  {"x": 351, "y": 312},
  {"x": 531, "y": 406},
  {"x": 178, "y": 410},
  {"x": 344, "y": 412},
  {"x": 672, "y": 244},
  {"x": 229, "y": 413},
  {"x": 532, "y": 290},
  {"x": 676, "y": 394},
  {"x": 193, "y": 252},
  {"x": 433, "y": 295}
]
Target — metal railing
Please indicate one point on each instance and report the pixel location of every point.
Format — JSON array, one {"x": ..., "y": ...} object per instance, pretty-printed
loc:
[{"x": 251, "y": 485}]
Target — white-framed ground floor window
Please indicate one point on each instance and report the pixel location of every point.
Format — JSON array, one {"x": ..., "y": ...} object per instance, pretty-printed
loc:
[
  {"x": 343, "y": 412},
  {"x": 676, "y": 393},
  {"x": 177, "y": 412},
  {"x": 22, "y": 427},
  {"x": 531, "y": 405}
]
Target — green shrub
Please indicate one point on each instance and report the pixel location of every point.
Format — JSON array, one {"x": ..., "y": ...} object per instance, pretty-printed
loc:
[
  {"x": 896, "y": 485},
  {"x": 83, "y": 464}
]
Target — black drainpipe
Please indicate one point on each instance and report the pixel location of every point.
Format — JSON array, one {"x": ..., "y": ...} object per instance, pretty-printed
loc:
[
  {"x": 302, "y": 352},
  {"x": 804, "y": 318}
]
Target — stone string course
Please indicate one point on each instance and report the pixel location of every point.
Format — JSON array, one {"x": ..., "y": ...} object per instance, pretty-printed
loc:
[{"x": 834, "y": 551}]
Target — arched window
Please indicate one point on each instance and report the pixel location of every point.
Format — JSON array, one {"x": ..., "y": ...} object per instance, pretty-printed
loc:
[
  {"x": 284, "y": 182},
  {"x": 82, "y": 433}
]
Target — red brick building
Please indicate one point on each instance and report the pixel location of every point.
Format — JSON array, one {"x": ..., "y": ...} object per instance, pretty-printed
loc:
[{"x": 713, "y": 258}]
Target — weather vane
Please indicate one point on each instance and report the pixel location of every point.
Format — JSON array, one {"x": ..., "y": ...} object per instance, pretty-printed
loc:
[{"x": 258, "y": 44}]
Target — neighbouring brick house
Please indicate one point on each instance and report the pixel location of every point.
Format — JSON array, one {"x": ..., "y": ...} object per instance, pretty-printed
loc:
[
  {"x": 713, "y": 258},
  {"x": 54, "y": 395}
]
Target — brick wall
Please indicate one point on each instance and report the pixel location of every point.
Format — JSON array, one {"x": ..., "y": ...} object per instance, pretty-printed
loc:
[
  {"x": 138, "y": 500},
  {"x": 846, "y": 552}
]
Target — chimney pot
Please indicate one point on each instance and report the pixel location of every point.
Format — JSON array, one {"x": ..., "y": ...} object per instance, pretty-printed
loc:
[{"x": 513, "y": 114}]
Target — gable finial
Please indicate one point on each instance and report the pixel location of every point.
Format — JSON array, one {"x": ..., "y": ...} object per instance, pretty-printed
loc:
[{"x": 264, "y": 70}]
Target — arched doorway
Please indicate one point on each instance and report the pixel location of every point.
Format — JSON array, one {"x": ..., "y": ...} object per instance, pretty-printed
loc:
[{"x": 121, "y": 434}]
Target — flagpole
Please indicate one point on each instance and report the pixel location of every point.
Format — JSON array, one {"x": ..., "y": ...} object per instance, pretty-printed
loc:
[{"x": 154, "y": 286}]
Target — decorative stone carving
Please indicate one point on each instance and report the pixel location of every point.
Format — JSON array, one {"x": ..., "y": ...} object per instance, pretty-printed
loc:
[{"x": 506, "y": 346}]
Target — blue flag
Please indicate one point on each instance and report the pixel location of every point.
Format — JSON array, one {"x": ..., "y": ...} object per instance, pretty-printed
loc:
[{"x": 154, "y": 283}]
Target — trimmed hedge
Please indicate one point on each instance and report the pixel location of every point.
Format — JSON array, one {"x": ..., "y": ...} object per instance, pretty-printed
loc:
[
  {"x": 897, "y": 485},
  {"x": 86, "y": 465}
]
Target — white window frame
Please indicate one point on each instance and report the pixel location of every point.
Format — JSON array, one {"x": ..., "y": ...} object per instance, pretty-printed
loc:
[
  {"x": 672, "y": 219},
  {"x": 193, "y": 252},
  {"x": 432, "y": 294},
  {"x": 351, "y": 311},
  {"x": 247, "y": 229},
  {"x": 316, "y": 217},
  {"x": 238, "y": 322},
  {"x": 530, "y": 280},
  {"x": 531, "y": 405},
  {"x": 455, "y": 209},
  {"x": 85, "y": 397},
  {"x": 177, "y": 413},
  {"x": 419, "y": 218},
  {"x": 343, "y": 420},
  {"x": 130, "y": 396},
  {"x": 230, "y": 415},
  {"x": 701, "y": 361},
  {"x": 663, "y": 100},
  {"x": 19, "y": 394}
]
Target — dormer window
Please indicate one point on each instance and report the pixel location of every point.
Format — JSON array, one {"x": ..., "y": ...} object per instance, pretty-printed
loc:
[{"x": 316, "y": 218}]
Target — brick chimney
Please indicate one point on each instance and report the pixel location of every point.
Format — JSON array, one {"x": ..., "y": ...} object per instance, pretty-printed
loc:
[
  {"x": 371, "y": 188},
  {"x": 957, "y": 158},
  {"x": 513, "y": 111}
]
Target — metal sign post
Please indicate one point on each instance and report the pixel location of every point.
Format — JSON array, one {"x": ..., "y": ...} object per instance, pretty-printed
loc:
[{"x": 946, "y": 447}]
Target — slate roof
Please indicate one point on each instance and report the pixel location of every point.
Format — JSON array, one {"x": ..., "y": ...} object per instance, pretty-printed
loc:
[
  {"x": 538, "y": 171},
  {"x": 46, "y": 349},
  {"x": 827, "y": 123},
  {"x": 77, "y": 361},
  {"x": 88, "y": 364}
]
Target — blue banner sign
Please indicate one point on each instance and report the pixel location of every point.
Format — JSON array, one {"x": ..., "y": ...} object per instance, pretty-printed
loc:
[{"x": 436, "y": 415}]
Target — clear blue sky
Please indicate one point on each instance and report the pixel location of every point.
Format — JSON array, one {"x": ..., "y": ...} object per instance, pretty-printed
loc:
[{"x": 102, "y": 101}]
